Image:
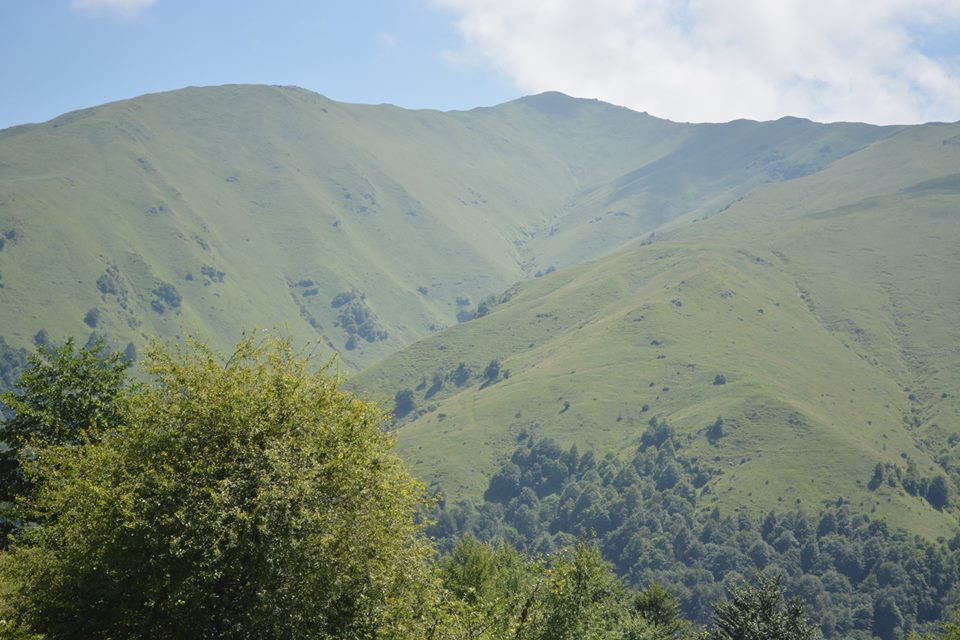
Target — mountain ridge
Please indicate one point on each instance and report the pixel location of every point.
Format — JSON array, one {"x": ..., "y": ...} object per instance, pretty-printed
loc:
[
  {"x": 612, "y": 261},
  {"x": 374, "y": 199}
]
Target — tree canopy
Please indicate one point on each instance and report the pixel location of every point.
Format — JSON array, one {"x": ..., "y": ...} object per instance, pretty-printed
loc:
[
  {"x": 250, "y": 497},
  {"x": 65, "y": 394},
  {"x": 240, "y": 497}
]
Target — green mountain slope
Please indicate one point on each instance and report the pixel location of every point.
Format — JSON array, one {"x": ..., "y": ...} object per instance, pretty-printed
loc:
[
  {"x": 215, "y": 209},
  {"x": 811, "y": 266},
  {"x": 827, "y": 303}
]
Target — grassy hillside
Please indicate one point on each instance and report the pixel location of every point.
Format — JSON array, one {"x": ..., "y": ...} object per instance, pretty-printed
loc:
[
  {"x": 210, "y": 210},
  {"x": 811, "y": 266},
  {"x": 827, "y": 303}
]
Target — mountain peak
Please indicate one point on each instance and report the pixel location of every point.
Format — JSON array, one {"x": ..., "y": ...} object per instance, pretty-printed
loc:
[{"x": 556, "y": 103}]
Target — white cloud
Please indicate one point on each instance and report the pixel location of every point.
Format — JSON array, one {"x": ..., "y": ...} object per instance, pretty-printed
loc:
[
  {"x": 716, "y": 60},
  {"x": 119, "y": 8}
]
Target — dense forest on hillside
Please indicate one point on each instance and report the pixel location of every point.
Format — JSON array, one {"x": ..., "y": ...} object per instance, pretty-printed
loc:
[
  {"x": 249, "y": 497},
  {"x": 859, "y": 577}
]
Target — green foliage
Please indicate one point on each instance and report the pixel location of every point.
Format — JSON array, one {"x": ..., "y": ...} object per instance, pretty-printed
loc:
[
  {"x": 12, "y": 362},
  {"x": 342, "y": 298},
  {"x": 240, "y": 497},
  {"x": 757, "y": 612},
  {"x": 165, "y": 295},
  {"x": 646, "y": 514},
  {"x": 938, "y": 493},
  {"x": 356, "y": 318},
  {"x": 214, "y": 274},
  {"x": 715, "y": 432},
  {"x": 657, "y": 433},
  {"x": 492, "y": 371},
  {"x": 107, "y": 284},
  {"x": 65, "y": 396},
  {"x": 659, "y": 606},
  {"x": 569, "y": 595},
  {"x": 936, "y": 490},
  {"x": 949, "y": 630},
  {"x": 403, "y": 403},
  {"x": 460, "y": 375},
  {"x": 581, "y": 599},
  {"x": 92, "y": 317},
  {"x": 476, "y": 571}
]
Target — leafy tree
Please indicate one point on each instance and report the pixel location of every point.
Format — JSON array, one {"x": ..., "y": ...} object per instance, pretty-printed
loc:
[
  {"x": 950, "y": 631},
  {"x": 938, "y": 493},
  {"x": 841, "y": 568},
  {"x": 580, "y": 599},
  {"x": 66, "y": 395},
  {"x": 659, "y": 607},
  {"x": 492, "y": 372},
  {"x": 757, "y": 612},
  {"x": 505, "y": 483},
  {"x": 715, "y": 432},
  {"x": 236, "y": 498},
  {"x": 656, "y": 434},
  {"x": 461, "y": 375},
  {"x": 92, "y": 317},
  {"x": 12, "y": 362},
  {"x": 403, "y": 403}
]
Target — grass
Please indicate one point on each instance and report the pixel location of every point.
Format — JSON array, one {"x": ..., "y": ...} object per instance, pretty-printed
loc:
[
  {"x": 834, "y": 328},
  {"x": 812, "y": 265},
  {"x": 274, "y": 186}
]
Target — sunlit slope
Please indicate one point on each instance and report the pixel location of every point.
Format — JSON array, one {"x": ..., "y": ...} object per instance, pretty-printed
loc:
[
  {"x": 828, "y": 304},
  {"x": 291, "y": 197},
  {"x": 874, "y": 244},
  {"x": 215, "y": 209}
]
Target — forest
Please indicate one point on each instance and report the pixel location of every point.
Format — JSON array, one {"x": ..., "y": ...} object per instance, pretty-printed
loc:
[
  {"x": 249, "y": 496},
  {"x": 858, "y": 577}
]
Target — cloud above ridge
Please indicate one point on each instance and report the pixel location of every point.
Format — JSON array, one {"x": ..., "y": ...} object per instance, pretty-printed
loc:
[{"x": 879, "y": 61}]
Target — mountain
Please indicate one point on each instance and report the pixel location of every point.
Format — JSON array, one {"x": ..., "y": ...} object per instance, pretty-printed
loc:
[
  {"x": 816, "y": 315},
  {"x": 589, "y": 266},
  {"x": 212, "y": 210}
]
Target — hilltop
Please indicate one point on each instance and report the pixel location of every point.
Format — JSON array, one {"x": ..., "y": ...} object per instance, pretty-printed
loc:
[{"x": 211, "y": 210}]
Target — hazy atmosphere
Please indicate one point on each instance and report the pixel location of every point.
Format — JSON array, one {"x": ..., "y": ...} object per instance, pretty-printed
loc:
[{"x": 480, "y": 320}]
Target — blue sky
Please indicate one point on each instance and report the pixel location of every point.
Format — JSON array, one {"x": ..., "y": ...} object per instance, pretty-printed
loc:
[
  {"x": 55, "y": 58},
  {"x": 702, "y": 60}
]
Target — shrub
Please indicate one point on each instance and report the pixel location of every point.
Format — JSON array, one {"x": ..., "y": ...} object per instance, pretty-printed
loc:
[
  {"x": 342, "y": 298},
  {"x": 492, "y": 372},
  {"x": 92, "y": 318},
  {"x": 214, "y": 274},
  {"x": 237, "y": 496},
  {"x": 165, "y": 295},
  {"x": 715, "y": 432},
  {"x": 106, "y": 284},
  {"x": 403, "y": 403}
]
